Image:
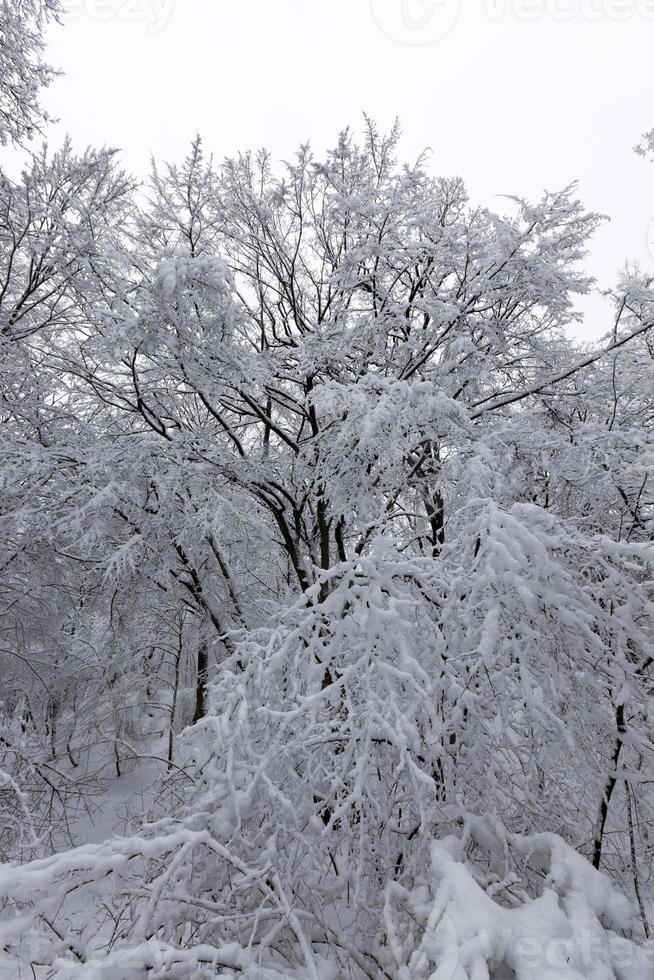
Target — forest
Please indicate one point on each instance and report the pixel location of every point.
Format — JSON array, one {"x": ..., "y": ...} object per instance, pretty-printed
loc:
[{"x": 326, "y": 597}]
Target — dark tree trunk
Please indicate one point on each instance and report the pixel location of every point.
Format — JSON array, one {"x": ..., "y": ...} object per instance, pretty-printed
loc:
[{"x": 201, "y": 682}]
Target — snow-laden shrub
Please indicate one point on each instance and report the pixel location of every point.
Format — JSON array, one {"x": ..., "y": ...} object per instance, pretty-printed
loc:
[{"x": 358, "y": 811}]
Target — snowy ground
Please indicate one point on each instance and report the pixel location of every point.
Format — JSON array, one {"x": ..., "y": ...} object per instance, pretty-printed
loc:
[{"x": 118, "y": 806}]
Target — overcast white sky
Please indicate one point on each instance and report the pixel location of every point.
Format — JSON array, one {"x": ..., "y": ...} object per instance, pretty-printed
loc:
[{"x": 513, "y": 95}]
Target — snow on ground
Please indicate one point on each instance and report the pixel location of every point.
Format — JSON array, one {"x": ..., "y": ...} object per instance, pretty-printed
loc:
[{"x": 114, "y": 810}]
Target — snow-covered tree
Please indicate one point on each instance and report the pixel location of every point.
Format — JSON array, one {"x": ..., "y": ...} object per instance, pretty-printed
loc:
[
  {"x": 321, "y": 470},
  {"x": 23, "y": 72}
]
